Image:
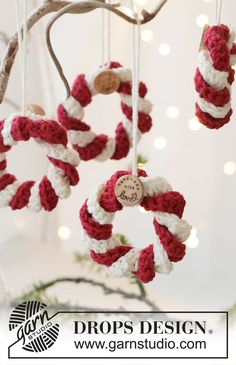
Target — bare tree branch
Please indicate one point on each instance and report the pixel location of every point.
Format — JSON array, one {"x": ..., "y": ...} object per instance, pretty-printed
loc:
[{"x": 50, "y": 6}]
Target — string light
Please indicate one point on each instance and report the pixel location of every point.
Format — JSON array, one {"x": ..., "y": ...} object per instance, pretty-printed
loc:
[
  {"x": 164, "y": 49},
  {"x": 172, "y": 112},
  {"x": 147, "y": 35},
  {"x": 229, "y": 168},
  {"x": 202, "y": 20},
  {"x": 160, "y": 143},
  {"x": 192, "y": 241},
  {"x": 194, "y": 124},
  {"x": 64, "y": 232}
]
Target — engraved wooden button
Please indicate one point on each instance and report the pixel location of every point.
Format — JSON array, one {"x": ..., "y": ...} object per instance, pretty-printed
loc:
[
  {"x": 129, "y": 190},
  {"x": 202, "y": 44},
  {"x": 107, "y": 82},
  {"x": 36, "y": 109}
]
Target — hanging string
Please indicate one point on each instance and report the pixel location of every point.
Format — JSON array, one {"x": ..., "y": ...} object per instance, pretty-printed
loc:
[
  {"x": 135, "y": 84},
  {"x": 104, "y": 36},
  {"x": 218, "y": 11},
  {"x": 22, "y": 42}
]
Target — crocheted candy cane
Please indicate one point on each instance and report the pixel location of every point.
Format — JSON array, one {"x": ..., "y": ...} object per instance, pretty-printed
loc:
[
  {"x": 99, "y": 210},
  {"x": 88, "y": 144},
  {"x": 214, "y": 77},
  {"x": 62, "y": 172}
]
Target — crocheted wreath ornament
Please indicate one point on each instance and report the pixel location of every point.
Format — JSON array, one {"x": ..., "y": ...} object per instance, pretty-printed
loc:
[
  {"x": 167, "y": 206},
  {"x": 214, "y": 76},
  {"x": 100, "y": 147},
  {"x": 62, "y": 173}
]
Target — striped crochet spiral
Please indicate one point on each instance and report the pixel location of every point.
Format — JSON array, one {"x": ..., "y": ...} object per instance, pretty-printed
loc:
[
  {"x": 62, "y": 173},
  {"x": 100, "y": 147},
  {"x": 99, "y": 210},
  {"x": 214, "y": 77}
]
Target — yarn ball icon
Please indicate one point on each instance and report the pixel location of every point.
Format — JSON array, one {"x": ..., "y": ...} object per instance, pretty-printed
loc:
[{"x": 34, "y": 328}]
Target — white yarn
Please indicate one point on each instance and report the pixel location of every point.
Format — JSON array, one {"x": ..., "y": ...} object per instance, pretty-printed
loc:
[
  {"x": 101, "y": 246},
  {"x": 59, "y": 181},
  {"x": 34, "y": 204},
  {"x": 82, "y": 139},
  {"x": 176, "y": 226},
  {"x": 98, "y": 213},
  {"x": 108, "y": 151},
  {"x": 7, "y": 194},
  {"x": 75, "y": 110},
  {"x": 213, "y": 77},
  {"x": 214, "y": 111},
  {"x": 125, "y": 265},
  {"x": 155, "y": 186},
  {"x": 6, "y": 131},
  {"x": 161, "y": 260}
]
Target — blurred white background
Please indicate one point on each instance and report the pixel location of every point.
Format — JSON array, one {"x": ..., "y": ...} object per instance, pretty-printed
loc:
[{"x": 190, "y": 157}]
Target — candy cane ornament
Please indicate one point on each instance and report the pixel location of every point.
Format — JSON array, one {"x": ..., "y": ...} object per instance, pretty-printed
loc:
[
  {"x": 214, "y": 76},
  {"x": 61, "y": 174},
  {"x": 88, "y": 144},
  {"x": 167, "y": 206}
]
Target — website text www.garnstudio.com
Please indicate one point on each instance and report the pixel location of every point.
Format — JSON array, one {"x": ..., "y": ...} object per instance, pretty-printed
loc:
[{"x": 146, "y": 344}]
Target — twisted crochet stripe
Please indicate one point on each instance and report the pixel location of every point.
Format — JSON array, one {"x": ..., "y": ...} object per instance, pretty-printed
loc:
[
  {"x": 100, "y": 147},
  {"x": 62, "y": 173},
  {"x": 214, "y": 77},
  {"x": 167, "y": 206}
]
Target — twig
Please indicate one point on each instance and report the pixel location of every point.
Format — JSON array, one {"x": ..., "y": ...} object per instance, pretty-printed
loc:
[
  {"x": 107, "y": 290},
  {"x": 50, "y": 6}
]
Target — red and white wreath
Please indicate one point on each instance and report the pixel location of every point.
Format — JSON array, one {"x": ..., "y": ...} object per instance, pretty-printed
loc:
[
  {"x": 215, "y": 75},
  {"x": 101, "y": 147},
  {"x": 167, "y": 206},
  {"x": 62, "y": 173}
]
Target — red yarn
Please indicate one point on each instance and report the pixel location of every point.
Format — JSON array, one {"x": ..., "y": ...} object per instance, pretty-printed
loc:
[
  {"x": 94, "y": 229},
  {"x": 92, "y": 149},
  {"x": 6, "y": 180},
  {"x": 122, "y": 143},
  {"x": 80, "y": 91},
  {"x": 144, "y": 120},
  {"x": 69, "y": 170},
  {"x": 211, "y": 122},
  {"x": 146, "y": 269},
  {"x": 211, "y": 95},
  {"x": 21, "y": 198},
  {"x": 70, "y": 122},
  {"x": 171, "y": 202},
  {"x": 110, "y": 256},
  {"x": 174, "y": 249}
]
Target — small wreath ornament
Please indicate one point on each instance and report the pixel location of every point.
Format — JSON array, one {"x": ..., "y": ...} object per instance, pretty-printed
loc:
[
  {"x": 167, "y": 206},
  {"x": 215, "y": 75},
  {"x": 61, "y": 174},
  {"x": 105, "y": 80}
]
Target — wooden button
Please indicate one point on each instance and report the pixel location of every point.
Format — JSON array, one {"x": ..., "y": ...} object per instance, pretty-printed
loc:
[
  {"x": 129, "y": 190},
  {"x": 202, "y": 44},
  {"x": 107, "y": 82},
  {"x": 36, "y": 109}
]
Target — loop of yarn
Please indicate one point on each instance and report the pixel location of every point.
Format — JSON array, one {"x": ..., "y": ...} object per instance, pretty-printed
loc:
[
  {"x": 61, "y": 174},
  {"x": 101, "y": 147},
  {"x": 214, "y": 77},
  {"x": 167, "y": 206}
]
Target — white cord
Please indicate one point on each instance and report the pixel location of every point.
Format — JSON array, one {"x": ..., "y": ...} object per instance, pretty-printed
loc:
[
  {"x": 218, "y": 11},
  {"x": 22, "y": 42},
  {"x": 104, "y": 36},
  {"x": 135, "y": 84}
]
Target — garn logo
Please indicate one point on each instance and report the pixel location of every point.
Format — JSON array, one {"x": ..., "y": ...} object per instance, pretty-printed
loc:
[{"x": 34, "y": 327}]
